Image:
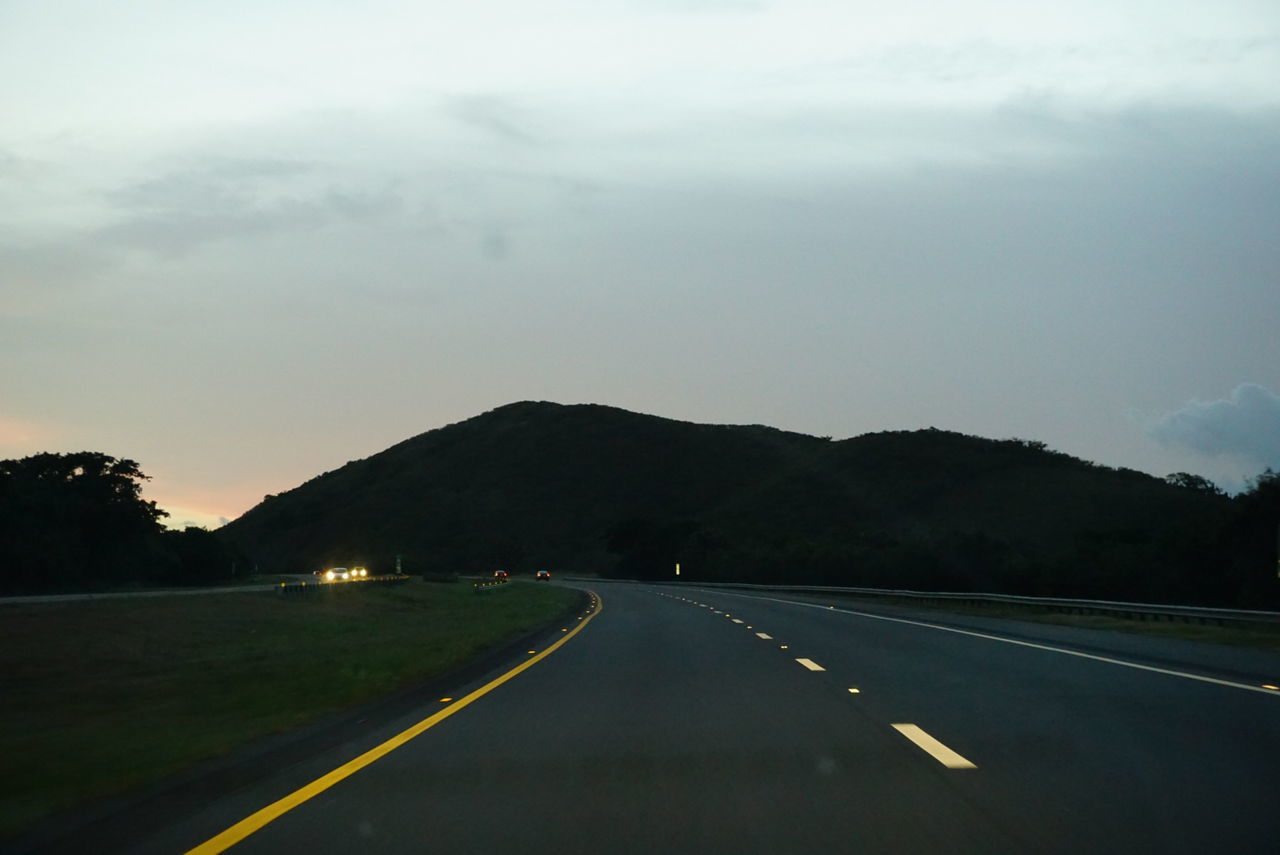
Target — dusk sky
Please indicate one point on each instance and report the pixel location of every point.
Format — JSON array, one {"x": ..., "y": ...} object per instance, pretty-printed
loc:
[{"x": 244, "y": 243}]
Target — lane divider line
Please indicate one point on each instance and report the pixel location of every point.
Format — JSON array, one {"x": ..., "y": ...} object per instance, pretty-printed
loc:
[
  {"x": 933, "y": 747},
  {"x": 1109, "y": 660},
  {"x": 766, "y": 636},
  {"x": 811, "y": 665},
  {"x": 257, "y": 821}
]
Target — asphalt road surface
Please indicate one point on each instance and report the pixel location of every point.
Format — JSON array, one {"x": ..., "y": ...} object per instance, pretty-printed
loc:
[{"x": 678, "y": 720}]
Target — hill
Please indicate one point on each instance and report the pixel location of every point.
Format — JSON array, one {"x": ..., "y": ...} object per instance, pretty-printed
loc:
[{"x": 599, "y": 489}]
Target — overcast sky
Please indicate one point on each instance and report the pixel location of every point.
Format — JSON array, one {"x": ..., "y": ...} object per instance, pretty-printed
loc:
[{"x": 243, "y": 243}]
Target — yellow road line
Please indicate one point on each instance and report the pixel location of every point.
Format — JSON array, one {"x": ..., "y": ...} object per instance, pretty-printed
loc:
[
  {"x": 933, "y": 747},
  {"x": 277, "y": 809}
]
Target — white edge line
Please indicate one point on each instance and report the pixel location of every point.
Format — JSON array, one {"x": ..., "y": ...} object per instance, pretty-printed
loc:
[
  {"x": 1214, "y": 680},
  {"x": 811, "y": 665}
]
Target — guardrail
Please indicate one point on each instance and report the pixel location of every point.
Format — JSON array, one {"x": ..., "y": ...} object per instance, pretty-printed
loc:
[
  {"x": 1132, "y": 611},
  {"x": 310, "y": 589}
]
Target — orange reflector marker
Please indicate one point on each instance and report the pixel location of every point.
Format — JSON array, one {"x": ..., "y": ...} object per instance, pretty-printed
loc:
[
  {"x": 784, "y": 647},
  {"x": 445, "y": 700},
  {"x": 533, "y": 651},
  {"x": 854, "y": 691}
]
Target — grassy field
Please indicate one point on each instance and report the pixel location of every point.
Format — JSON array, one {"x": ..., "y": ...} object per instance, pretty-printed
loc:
[{"x": 100, "y": 697}]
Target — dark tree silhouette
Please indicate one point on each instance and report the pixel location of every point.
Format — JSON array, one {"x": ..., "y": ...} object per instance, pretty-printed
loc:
[
  {"x": 1194, "y": 482},
  {"x": 78, "y": 521}
]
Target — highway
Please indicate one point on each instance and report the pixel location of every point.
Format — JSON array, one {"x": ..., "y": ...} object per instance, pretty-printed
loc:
[{"x": 678, "y": 720}]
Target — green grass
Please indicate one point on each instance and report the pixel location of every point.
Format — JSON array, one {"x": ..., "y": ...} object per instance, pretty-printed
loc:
[{"x": 104, "y": 696}]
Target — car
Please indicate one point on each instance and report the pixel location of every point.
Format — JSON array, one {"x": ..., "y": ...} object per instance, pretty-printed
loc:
[
  {"x": 359, "y": 573},
  {"x": 337, "y": 574},
  {"x": 544, "y": 575},
  {"x": 501, "y": 574}
]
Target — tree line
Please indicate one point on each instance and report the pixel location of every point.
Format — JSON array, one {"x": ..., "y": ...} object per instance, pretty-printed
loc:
[
  {"x": 1228, "y": 558},
  {"x": 76, "y": 522}
]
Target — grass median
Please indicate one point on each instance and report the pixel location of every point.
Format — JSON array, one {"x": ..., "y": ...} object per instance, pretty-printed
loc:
[{"x": 104, "y": 696}]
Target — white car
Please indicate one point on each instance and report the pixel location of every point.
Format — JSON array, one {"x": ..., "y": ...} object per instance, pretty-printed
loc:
[{"x": 336, "y": 574}]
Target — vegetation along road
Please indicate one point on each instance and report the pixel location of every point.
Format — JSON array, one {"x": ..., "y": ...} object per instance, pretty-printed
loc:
[{"x": 103, "y": 698}]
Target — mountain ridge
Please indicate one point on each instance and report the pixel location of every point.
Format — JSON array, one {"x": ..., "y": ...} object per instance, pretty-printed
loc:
[{"x": 593, "y": 488}]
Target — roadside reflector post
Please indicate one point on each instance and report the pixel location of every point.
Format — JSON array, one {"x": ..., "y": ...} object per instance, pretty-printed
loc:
[{"x": 677, "y": 568}]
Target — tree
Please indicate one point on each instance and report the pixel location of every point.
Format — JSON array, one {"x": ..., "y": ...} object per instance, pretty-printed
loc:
[
  {"x": 1199, "y": 484},
  {"x": 202, "y": 557},
  {"x": 649, "y": 549},
  {"x": 67, "y": 520},
  {"x": 1252, "y": 543}
]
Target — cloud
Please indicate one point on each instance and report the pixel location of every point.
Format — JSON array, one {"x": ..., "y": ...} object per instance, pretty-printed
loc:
[
  {"x": 231, "y": 200},
  {"x": 10, "y": 163},
  {"x": 494, "y": 116},
  {"x": 34, "y": 272},
  {"x": 1246, "y": 425},
  {"x": 494, "y": 245}
]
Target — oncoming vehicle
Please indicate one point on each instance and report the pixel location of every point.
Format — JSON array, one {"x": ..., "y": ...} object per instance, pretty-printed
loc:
[
  {"x": 543, "y": 575},
  {"x": 501, "y": 574},
  {"x": 342, "y": 574}
]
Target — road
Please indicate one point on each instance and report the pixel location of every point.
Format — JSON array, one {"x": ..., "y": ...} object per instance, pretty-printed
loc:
[
  {"x": 685, "y": 721},
  {"x": 257, "y": 587},
  {"x": 31, "y": 599}
]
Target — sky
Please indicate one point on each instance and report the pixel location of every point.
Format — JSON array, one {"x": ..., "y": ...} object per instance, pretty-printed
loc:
[{"x": 244, "y": 243}]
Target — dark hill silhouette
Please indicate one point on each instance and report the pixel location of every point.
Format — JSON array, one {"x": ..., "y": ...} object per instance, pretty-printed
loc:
[{"x": 599, "y": 489}]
